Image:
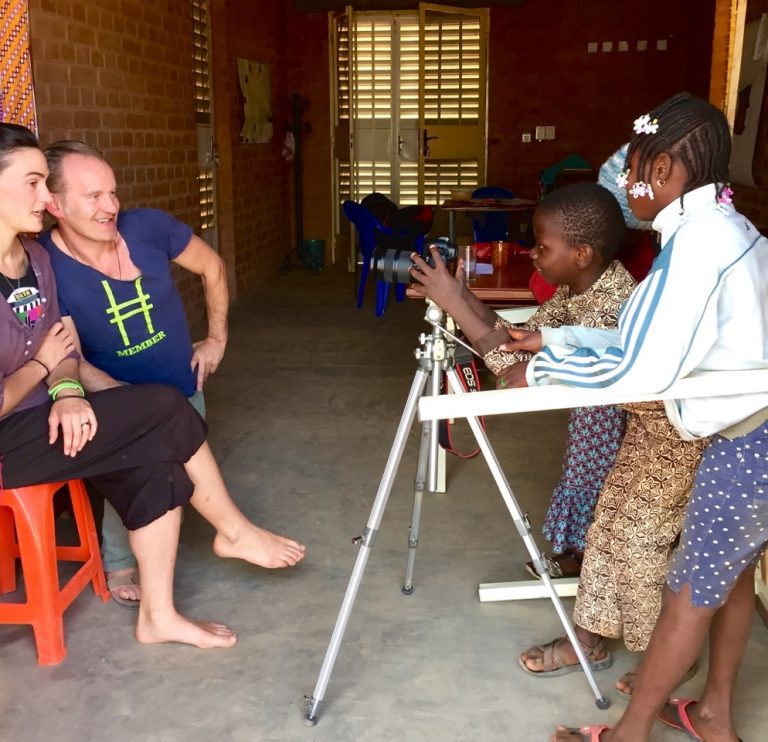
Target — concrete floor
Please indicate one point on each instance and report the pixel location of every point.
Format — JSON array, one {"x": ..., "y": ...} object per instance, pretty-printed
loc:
[{"x": 302, "y": 417}]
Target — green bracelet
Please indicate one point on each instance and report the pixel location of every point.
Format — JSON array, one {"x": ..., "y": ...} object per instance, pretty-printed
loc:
[{"x": 63, "y": 384}]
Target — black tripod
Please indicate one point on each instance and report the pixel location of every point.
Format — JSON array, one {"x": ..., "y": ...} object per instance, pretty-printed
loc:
[{"x": 435, "y": 357}]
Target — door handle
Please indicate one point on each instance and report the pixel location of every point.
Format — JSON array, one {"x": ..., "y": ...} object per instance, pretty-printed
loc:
[{"x": 425, "y": 142}]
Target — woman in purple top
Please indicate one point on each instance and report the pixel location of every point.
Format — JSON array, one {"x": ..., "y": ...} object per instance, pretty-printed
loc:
[{"x": 142, "y": 446}]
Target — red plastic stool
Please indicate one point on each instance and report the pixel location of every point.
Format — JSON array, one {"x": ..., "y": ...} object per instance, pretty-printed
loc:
[{"x": 30, "y": 510}]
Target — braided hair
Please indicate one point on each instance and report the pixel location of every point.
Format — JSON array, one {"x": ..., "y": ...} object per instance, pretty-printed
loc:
[
  {"x": 692, "y": 131},
  {"x": 587, "y": 213}
]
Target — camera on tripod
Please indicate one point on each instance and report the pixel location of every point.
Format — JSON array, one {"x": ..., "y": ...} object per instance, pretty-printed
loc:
[{"x": 394, "y": 266}]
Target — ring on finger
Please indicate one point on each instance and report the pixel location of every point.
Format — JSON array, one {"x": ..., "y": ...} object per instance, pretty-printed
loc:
[{"x": 85, "y": 424}]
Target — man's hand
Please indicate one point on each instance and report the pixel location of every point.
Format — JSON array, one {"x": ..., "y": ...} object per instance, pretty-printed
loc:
[
  {"x": 529, "y": 340},
  {"x": 436, "y": 283},
  {"x": 77, "y": 420},
  {"x": 206, "y": 358},
  {"x": 512, "y": 377},
  {"x": 56, "y": 346}
]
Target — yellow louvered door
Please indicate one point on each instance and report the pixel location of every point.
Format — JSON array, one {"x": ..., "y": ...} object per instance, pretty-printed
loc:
[
  {"x": 409, "y": 106},
  {"x": 452, "y": 100}
]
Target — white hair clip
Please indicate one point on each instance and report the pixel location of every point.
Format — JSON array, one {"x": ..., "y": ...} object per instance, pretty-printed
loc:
[
  {"x": 622, "y": 179},
  {"x": 640, "y": 189},
  {"x": 644, "y": 125}
]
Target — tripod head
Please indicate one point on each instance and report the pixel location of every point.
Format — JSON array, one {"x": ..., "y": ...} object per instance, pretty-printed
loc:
[{"x": 441, "y": 340}]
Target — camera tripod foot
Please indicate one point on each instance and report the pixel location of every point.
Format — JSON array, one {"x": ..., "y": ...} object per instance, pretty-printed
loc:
[
  {"x": 407, "y": 589},
  {"x": 603, "y": 703},
  {"x": 310, "y": 718}
]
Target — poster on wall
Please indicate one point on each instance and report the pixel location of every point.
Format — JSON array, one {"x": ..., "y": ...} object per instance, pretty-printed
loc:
[
  {"x": 17, "y": 104},
  {"x": 257, "y": 102},
  {"x": 749, "y": 101}
]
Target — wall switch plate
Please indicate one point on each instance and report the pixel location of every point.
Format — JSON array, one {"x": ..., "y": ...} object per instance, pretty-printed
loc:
[
  {"x": 642, "y": 46},
  {"x": 661, "y": 45},
  {"x": 526, "y": 137},
  {"x": 607, "y": 46},
  {"x": 623, "y": 46},
  {"x": 549, "y": 132},
  {"x": 591, "y": 47},
  {"x": 541, "y": 133}
]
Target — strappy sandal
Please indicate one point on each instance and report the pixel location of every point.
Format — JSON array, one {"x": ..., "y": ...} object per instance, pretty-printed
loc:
[
  {"x": 114, "y": 583},
  {"x": 554, "y": 664}
]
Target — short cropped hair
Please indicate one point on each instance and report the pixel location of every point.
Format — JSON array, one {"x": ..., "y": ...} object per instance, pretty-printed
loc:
[
  {"x": 587, "y": 213},
  {"x": 55, "y": 154},
  {"x": 14, "y": 137}
]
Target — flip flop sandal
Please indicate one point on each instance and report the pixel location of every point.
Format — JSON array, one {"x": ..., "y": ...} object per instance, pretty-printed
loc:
[
  {"x": 684, "y": 723},
  {"x": 692, "y": 670},
  {"x": 589, "y": 733},
  {"x": 554, "y": 660},
  {"x": 114, "y": 583}
]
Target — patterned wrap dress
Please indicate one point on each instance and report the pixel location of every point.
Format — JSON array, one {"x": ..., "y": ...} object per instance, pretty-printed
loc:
[
  {"x": 638, "y": 519},
  {"x": 594, "y": 433}
]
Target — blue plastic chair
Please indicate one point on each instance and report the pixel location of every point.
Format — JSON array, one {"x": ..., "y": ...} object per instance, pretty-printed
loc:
[
  {"x": 367, "y": 225},
  {"x": 490, "y": 226}
]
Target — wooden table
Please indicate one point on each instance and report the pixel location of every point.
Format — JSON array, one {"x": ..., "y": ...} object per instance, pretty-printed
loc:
[{"x": 506, "y": 205}]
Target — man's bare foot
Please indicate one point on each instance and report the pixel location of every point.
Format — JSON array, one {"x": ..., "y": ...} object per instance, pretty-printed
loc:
[
  {"x": 124, "y": 586},
  {"x": 175, "y": 628},
  {"x": 259, "y": 546}
]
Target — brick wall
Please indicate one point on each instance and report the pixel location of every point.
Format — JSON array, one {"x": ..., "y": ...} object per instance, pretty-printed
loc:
[
  {"x": 117, "y": 74},
  {"x": 541, "y": 74},
  {"x": 256, "y": 208}
]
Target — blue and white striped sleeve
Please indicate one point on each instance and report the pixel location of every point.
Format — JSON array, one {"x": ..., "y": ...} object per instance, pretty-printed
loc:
[{"x": 666, "y": 326}]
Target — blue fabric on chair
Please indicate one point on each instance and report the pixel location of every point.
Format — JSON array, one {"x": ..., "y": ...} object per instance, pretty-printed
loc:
[{"x": 489, "y": 226}]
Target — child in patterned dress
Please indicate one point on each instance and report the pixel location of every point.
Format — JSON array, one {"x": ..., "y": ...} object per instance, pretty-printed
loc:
[{"x": 578, "y": 230}]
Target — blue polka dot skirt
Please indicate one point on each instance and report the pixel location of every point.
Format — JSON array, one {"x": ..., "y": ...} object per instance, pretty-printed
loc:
[{"x": 726, "y": 524}]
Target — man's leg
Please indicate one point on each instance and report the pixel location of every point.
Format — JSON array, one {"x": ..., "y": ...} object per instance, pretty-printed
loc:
[
  {"x": 117, "y": 556},
  {"x": 236, "y": 536},
  {"x": 155, "y": 547}
]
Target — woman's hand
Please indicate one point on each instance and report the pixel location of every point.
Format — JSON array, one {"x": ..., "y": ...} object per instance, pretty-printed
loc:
[
  {"x": 436, "y": 283},
  {"x": 56, "y": 346},
  {"x": 512, "y": 377},
  {"x": 77, "y": 420},
  {"x": 528, "y": 340}
]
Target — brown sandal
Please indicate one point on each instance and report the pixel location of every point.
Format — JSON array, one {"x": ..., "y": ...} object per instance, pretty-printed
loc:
[{"x": 554, "y": 663}]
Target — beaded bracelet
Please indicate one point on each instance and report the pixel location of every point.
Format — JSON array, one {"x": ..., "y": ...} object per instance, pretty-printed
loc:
[{"x": 62, "y": 384}]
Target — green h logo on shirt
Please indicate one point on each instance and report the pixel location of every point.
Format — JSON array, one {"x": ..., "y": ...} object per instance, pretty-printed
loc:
[{"x": 127, "y": 309}]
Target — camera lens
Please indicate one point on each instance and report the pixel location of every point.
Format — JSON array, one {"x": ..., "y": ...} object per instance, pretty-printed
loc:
[{"x": 393, "y": 266}]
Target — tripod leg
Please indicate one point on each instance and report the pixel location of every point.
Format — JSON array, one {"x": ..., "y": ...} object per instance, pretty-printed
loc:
[
  {"x": 418, "y": 496},
  {"x": 366, "y": 544},
  {"x": 428, "y": 466},
  {"x": 524, "y": 529}
]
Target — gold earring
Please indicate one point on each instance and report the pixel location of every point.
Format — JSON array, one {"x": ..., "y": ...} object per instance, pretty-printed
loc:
[{"x": 660, "y": 182}]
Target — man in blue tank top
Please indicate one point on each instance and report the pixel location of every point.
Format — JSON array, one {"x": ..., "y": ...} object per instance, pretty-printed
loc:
[{"x": 117, "y": 294}]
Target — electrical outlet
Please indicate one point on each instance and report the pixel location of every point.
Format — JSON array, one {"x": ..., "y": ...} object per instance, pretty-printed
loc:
[{"x": 527, "y": 137}]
